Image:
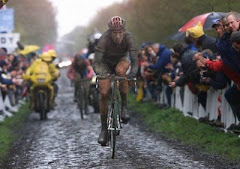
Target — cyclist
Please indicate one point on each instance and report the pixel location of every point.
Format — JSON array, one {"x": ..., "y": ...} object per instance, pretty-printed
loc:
[
  {"x": 111, "y": 57},
  {"x": 81, "y": 68}
]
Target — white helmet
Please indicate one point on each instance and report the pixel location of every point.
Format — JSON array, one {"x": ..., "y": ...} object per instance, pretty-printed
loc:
[
  {"x": 97, "y": 35},
  {"x": 91, "y": 56}
]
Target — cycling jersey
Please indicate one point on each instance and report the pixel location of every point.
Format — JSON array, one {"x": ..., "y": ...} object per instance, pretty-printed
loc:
[
  {"x": 81, "y": 68},
  {"x": 108, "y": 53}
]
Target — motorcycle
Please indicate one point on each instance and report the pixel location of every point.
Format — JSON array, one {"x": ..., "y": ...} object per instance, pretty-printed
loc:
[{"x": 42, "y": 93}]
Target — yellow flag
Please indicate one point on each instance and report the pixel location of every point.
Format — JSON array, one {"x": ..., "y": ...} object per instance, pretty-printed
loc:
[
  {"x": 140, "y": 91},
  {"x": 2, "y": 2}
]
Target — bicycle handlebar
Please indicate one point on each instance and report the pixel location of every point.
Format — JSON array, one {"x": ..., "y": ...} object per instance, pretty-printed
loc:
[
  {"x": 82, "y": 80},
  {"x": 114, "y": 77}
]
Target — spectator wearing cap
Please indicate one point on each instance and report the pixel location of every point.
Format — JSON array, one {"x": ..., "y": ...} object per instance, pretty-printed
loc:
[
  {"x": 218, "y": 26},
  {"x": 200, "y": 39}
]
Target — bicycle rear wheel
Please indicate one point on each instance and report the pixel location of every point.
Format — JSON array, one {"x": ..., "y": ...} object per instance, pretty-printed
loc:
[
  {"x": 80, "y": 101},
  {"x": 85, "y": 102}
]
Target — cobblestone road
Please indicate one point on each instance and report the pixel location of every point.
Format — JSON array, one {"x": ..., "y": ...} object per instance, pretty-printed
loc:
[{"x": 66, "y": 141}]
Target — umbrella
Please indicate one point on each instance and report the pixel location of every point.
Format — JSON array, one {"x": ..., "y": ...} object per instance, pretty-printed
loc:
[
  {"x": 206, "y": 19},
  {"x": 28, "y": 49}
]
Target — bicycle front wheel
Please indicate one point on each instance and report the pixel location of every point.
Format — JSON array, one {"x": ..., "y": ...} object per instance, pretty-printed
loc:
[{"x": 113, "y": 134}]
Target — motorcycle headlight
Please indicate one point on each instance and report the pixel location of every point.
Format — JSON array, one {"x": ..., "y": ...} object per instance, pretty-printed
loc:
[{"x": 41, "y": 80}]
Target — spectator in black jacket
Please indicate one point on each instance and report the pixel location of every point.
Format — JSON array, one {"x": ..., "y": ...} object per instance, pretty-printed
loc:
[{"x": 201, "y": 40}]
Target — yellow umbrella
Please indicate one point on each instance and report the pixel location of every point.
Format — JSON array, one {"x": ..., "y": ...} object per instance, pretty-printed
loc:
[{"x": 28, "y": 49}]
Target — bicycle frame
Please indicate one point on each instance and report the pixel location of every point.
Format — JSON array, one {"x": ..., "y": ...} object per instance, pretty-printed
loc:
[{"x": 114, "y": 115}]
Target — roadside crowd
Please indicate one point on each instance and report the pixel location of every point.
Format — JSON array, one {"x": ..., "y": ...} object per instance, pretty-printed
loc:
[
  {"x": 11, "y": 83},
  {"x": 202, "y": 63},
  {"x": 16, "y": 70}
]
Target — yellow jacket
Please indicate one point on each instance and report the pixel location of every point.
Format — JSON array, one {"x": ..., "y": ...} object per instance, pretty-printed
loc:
[
  {"x": 53, "y": 71},
  {"x": 30, "y": 70}
]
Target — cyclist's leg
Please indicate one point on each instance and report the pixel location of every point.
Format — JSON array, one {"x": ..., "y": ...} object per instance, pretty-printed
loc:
[
  {"x": 76, "y": 80},
  {"x": 103, "y": 107},
  {"x": 121, "y": 70},
  {"x": 104, "y": 89}
]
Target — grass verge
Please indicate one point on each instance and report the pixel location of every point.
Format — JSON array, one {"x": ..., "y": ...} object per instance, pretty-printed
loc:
[
  {"x": 173, "y": 124},
  {"x": 9, "y": 129}
]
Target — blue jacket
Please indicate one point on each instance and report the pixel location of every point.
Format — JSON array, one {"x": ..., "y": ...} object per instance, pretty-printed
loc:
[
  {"x": 164, "y": 57},
  {"x": 192, "y": 47},
  {"x": 228, "y": 54},
  {"x": 5, "y": 81}
]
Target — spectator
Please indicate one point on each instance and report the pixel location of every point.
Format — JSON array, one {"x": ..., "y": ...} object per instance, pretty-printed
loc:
[
  {"x": 163, "y": 59},
  {"x": 229, "y": 64},
  {"x": 3, "y": 53},
  {"x": 200, "y": 39},
  {"x": 233, "y": 19}
]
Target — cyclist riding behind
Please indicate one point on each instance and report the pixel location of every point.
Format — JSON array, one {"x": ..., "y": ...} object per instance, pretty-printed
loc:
[
  {"x": 80, "y": 69},
  {"x": 111, "y": 57}
]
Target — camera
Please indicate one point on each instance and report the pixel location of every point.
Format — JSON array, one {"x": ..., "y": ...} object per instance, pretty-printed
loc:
[{"x": 204, "y": 74}]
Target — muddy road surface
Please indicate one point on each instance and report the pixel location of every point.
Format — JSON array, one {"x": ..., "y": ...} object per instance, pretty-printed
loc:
[{"x": 64, "y": 141}]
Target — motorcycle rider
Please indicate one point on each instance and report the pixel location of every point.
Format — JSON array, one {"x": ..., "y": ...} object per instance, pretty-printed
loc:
[
  {"x": 31, "y": 73},
  {"x": 111, "y": 57},
  {"x": 54, "y": 71}
]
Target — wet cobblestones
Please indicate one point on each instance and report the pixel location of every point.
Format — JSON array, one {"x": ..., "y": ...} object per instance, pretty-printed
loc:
[{"x": 64, "y": 141}]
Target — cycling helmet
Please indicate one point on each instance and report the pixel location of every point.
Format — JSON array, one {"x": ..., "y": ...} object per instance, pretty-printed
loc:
[
  {"x": 116, "y": 23},
  {"x": 46, "y": 57}
]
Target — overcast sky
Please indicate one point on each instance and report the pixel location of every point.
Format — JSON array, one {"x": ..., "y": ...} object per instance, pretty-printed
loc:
[{"x": 72, "y": 13}]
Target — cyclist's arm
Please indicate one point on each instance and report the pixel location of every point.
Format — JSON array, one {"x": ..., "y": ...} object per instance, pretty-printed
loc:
[
  {"x": 89, "y": 69},
  {"x": 133, "y": 52},
  {"x": 98, "y": 58},
  {"x": 98, "y": 62},
  {"x": 134, "y": 61}
]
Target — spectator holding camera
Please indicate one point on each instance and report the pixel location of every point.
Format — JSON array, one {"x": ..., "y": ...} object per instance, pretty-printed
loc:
[{"x": 229, "y": 63}]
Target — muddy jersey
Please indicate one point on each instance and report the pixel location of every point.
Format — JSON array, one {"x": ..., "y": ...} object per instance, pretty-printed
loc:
[
  {"x": 109, "y": 53},
  {"x": 82, "y": 68}
]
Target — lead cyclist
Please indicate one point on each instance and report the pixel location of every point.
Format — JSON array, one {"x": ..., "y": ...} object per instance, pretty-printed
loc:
[{"x": 111, "y": 57}]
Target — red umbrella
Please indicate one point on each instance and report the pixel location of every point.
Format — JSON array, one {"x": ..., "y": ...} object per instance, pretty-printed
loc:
[{"x": 206, "y": 19}]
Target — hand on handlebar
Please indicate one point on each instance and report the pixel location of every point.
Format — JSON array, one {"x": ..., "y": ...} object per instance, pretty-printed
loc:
[
  {"x": 131, "y": 76},
  {"x": 103, "y": 75}
]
